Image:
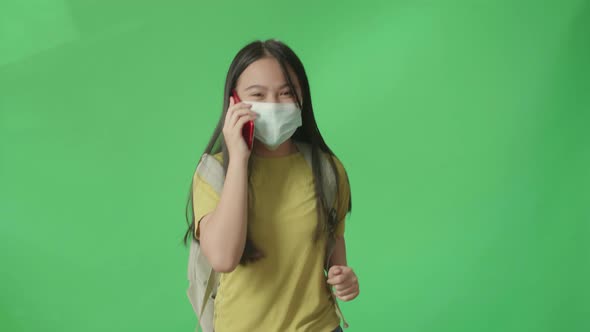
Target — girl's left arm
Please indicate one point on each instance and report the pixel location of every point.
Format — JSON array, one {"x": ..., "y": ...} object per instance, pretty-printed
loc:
[
  {"x": 339, "y": 253},
  {"x": 340, "y": 275}
]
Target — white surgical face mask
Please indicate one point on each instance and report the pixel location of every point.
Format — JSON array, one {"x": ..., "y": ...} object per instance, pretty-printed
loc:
[{"x": 276, "y": 122}]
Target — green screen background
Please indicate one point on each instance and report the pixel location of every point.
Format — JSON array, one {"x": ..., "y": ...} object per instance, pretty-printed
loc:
[{"x": 463, "y": 126}]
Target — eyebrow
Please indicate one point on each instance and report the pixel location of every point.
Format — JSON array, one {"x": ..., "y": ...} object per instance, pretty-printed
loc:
[{"x": 263, "y": 87}]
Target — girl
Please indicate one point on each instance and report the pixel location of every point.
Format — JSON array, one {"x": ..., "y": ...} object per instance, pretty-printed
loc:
[{"x": 266, "y": 232}]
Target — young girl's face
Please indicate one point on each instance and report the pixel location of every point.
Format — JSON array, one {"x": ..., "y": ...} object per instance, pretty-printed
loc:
[{"x": 263, "y": 81}]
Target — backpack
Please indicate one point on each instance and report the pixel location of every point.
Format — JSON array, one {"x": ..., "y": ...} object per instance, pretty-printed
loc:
[{"x": 203, "y": 280}]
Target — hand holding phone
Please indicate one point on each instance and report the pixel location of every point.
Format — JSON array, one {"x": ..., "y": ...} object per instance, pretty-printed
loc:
[{"x": 248, "y": 128}]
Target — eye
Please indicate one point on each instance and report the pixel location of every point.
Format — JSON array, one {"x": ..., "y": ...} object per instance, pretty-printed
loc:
[
  {"x": 287, "y": 92},
  {"x": 256, "y": 94}
]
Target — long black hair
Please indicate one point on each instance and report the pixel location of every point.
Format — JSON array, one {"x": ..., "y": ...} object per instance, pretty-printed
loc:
[{"x": 308, "y": 133}]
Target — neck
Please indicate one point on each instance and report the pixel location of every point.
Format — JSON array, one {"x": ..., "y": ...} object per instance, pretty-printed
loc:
[{"x": 288, "y": 147}]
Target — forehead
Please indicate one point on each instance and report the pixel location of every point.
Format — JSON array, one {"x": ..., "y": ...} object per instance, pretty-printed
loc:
[{"x": 266, "y": 72}]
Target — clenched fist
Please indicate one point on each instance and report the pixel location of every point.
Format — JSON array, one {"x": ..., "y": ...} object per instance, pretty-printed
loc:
[{"x": 344, "y": 281}]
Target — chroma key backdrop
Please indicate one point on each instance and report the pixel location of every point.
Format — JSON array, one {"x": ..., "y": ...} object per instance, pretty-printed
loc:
[{"x": 464, "y": 127}]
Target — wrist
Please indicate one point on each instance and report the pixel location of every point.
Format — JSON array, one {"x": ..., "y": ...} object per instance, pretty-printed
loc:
[{"x": 238, "y": 162}]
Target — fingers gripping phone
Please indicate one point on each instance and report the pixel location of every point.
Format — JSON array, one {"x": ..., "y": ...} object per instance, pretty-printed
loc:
[{"x": 248, "y": 128}]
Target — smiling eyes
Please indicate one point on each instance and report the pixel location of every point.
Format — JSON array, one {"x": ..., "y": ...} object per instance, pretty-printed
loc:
[{"x": 288, "y": 93}]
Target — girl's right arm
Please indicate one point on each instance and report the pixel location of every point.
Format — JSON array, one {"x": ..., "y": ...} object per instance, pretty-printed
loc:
[{"x": 223, "y": 231}]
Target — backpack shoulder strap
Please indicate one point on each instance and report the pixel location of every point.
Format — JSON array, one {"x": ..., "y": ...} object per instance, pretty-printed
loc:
[
  {"x": 200, "y": 273},
  {"x": 211, "y": 170}
]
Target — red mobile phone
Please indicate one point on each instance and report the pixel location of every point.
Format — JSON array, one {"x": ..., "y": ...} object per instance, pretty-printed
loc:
[{"x": 248, "y": 128}]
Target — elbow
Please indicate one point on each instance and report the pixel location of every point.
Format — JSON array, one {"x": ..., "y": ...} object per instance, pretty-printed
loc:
[
  {"x": 224, "y": 268},
  {"x": 220, "y": 255},
  {"x": 224, "y": 265},
  {"x": 222, "y": 262}
]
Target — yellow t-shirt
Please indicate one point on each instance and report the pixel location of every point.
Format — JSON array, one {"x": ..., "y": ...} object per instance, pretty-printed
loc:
[{"x": 284, "y": 291}]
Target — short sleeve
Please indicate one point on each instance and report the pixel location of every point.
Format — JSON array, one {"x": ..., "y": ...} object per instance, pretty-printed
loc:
[
  {"x": 205, "y": 200},
  {"x": 343, "y": 197}
]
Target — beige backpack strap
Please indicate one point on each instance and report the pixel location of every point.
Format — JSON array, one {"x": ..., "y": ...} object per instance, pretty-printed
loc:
[
  {"x": 203, "y": 280},
  {"x": 211, "y": 171},
  {"x": 208, "y": 290}
]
